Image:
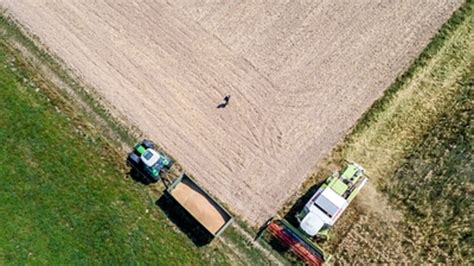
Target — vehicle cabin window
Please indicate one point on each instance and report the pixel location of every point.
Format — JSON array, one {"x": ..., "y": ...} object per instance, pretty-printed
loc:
[{"x": 148, "y": 155}]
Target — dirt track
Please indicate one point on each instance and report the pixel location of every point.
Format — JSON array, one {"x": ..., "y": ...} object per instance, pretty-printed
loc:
[{"x": 299, "y": 75}]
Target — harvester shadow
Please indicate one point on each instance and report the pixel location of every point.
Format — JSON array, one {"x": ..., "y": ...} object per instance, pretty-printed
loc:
[
  {"x": 290, "y": 216},
  {"x": 278, "y": 246},
  {"x": 184, "y": 221}
]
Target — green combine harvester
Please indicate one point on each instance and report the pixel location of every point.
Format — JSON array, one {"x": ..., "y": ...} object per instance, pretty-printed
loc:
[
  {"x": 330, "y": 201},
  {"x": 319, "y": 214},
  {"x": 147, "y": 162}
]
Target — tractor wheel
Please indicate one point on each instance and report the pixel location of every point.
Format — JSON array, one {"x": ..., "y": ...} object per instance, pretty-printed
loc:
[
  {"x": 320, "y": 239},
  {"x": 133, "y": 159},
  {"x": 154, "y": 179},
  {"x": 168, "y": 166},
  {"x": 148, "y": 144}
]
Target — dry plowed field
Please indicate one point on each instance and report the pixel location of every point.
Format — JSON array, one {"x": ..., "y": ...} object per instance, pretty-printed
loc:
[{"x": 299, "y": 73}]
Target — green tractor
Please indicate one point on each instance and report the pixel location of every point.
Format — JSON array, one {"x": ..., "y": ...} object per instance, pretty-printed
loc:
[
  {"x": 147, "y": 162},
  {"x": 331, "y": 200}
]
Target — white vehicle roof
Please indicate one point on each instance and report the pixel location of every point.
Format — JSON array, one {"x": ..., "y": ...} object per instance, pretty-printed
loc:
[
  {"x": 331, "y": 202},
  {"x": 312, "y": 224},
  {"x": 327, "y": 204},
  {"x": 150, "y": 157},
  {"x": 324, "y": 208}
]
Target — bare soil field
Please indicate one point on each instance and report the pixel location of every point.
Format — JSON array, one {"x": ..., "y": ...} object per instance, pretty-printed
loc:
[{"x": 299, "y": 73}]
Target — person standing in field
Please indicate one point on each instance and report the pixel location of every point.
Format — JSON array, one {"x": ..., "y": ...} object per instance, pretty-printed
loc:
[{"x": 225, "y": 103}]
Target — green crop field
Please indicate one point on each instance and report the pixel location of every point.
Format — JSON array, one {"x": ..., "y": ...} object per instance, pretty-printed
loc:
[
  {"x": 416, "y": 145},
  {"x": 63, "y": 188},
  {"x": 62, "y": 200},
  {"x": 435, "y": 186},
  {"x": 65, "y": 198}
]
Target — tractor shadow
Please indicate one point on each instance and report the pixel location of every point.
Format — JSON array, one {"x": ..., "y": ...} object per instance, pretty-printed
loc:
[
  {"x": 184, "y": 221},
  {"x": 138, "y": 177}
]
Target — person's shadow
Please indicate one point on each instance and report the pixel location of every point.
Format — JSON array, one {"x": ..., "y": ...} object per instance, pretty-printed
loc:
[{"x": 222, "y": 105}]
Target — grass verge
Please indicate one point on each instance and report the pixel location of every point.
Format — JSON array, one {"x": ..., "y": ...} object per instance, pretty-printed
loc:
[
  {"x": 63, "y": 199},
  {"x": 12, "y": 33},
  {"x": 90, "y": 213}
]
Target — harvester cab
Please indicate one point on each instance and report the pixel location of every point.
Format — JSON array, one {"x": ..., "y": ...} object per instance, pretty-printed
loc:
[
  {"x": 147, "y": 162},
  {"x": 330, "y": 201}
]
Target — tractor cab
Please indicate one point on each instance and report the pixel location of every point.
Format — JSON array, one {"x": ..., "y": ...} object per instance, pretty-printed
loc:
[
  {"x": 153, "y": 162},
  {"x": 150, "y": 157}
]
